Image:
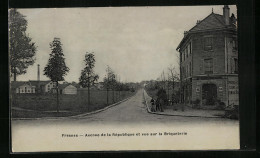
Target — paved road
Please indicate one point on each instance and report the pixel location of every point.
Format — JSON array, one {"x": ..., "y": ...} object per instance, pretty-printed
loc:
[
  {"x": 132, "y": 111},
  {"x": 128, "y": 117}
]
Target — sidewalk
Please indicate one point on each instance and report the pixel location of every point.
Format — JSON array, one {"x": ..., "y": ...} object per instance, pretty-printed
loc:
[
  {"x": 22, "y": 109},
  {"x": 176, "y": 110}
]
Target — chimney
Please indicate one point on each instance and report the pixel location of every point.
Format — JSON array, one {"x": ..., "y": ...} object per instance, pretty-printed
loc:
[
  {"x": 233, "y": 19},
  {"x": 226, "y": 14},
  {"x": 185, "y": 33},
  {"x": 38, "y": 73}
]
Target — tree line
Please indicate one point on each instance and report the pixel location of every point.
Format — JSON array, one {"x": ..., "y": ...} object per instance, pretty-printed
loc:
[{"x": 166, "y": 82}]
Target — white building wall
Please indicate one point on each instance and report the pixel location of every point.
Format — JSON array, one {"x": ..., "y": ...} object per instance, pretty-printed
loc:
[
  {"x": 69, "y": 90},
  {"x": 49, "y": 86},
  {"x": 25, "y": 89}
]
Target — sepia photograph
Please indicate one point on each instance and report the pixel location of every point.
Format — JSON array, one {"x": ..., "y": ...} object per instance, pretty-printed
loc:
[{"x": 124, "y": 78}]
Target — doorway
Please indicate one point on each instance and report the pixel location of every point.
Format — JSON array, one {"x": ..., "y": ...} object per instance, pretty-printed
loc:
[{"x": 209, "y": 94}]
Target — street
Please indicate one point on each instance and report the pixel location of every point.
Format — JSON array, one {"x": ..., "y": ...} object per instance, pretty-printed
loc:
[
  {"x": 132, "y": 111},
  {"x": 128, "y": 117}
]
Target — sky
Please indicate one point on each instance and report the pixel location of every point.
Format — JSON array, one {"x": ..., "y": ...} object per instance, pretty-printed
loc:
[{"x": 138, "y": 43}]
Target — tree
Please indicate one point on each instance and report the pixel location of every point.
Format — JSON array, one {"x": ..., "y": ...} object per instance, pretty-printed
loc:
[
  {"x": 22, "y": 49},
  {"x": 56, "y": 68},
  {"x": 173, "y": 78},
  {"x": 108, "y": 81},
  {"x": 88, "y": 77},
  {"x": 113, "y": 85}
]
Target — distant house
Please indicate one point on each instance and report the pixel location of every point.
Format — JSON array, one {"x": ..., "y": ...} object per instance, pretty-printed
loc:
[
  {"x": 32, "y": 86},
  {"x": 67, "y": 89},
  {"x": 22, "y": 87},
  {"x": 43, "y": 86}
]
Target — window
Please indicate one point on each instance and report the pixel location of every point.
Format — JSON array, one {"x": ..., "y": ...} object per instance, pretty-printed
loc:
[
  {"x": 190, "y": 47},
  {"x": 186, "y": 52},
  {"x": 208, "y": 41},
  {"x": 208, "y": 66},
  {"x": 187, "y": 70},
  {"x": 234, "y": 44},
  {"x": 190, "y": 69},
  {"x": 183, "y": 53},
  {"x": 25, "y": 89},
  {"x": 236, "y": 65},
  {"x": 183, "y": 72}
]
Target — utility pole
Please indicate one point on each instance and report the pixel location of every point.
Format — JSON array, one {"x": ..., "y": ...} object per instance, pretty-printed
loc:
[{"x": 168, "y": 88}]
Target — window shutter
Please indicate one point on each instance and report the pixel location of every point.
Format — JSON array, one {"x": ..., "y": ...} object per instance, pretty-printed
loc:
[
  {"x": 231, "y": 65},
  {"x": 202, "y": 66},
  {"x": 215, "y": 65}
]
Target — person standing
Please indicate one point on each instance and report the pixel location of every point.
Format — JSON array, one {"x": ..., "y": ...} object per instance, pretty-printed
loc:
[{"x": 152, "y": 105}]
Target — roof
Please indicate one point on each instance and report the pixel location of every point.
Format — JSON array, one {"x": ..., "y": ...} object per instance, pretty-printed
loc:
[
  {"x": 15, "y": 84},
  {"x": 63, "y": 86},
  {"x": 35, "y": 82},
  {"x": 211, "y": 22}
]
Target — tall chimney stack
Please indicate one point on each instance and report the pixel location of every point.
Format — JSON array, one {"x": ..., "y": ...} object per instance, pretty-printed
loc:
[
  {"x": 38, "y": 73},
  {"x": 226, "y": 14}
]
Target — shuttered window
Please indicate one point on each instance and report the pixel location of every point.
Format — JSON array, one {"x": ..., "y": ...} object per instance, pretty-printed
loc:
[
  {"x": 234, "y": 44},
  {"x": 208, "y": 42},
  {"x": 208, "y": 66},
  {"x": 190, "y": 69},
  {"x": 235, "y": 65}
]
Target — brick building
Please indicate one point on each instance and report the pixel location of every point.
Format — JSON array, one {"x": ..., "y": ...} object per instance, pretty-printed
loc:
[{"x": 209, "y": 60}]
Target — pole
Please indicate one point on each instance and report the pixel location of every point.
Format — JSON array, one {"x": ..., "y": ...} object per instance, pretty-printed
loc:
[{"x": 57, "y": 90}]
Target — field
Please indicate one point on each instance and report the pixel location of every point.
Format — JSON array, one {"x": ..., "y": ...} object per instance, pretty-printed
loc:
[{"x": 40, "y": 105}]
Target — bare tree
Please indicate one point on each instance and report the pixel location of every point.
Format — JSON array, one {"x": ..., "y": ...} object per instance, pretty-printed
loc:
[{"x": 174, "y": 77}]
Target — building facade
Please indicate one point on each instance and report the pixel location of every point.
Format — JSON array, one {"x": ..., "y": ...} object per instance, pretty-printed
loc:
[
  {"x": 33, "y": 86},
  {"x": 209, "y": 61},
  {"x": 24, "y": 88}
]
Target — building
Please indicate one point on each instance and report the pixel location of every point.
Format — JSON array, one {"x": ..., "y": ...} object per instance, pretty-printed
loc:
[
  {"x": 43, "y": 86},
  {"x": 66, "y": 89},
  {"x": 23, "y": 87},
  {"x": 209, "y": 61},
  {"x": 32, "y": 86}
]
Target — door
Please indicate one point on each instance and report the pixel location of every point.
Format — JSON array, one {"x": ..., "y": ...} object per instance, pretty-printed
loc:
[{"x": 209, "y": 94}]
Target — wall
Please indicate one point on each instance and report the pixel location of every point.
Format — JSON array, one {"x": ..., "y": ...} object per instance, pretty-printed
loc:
[
  {"x": 29, "y": 89},
  {"x": 49, "y": 86},
  {"x": 69, "y": 90},
  {"x": 217, "y": 53},
  {"x": 221, "y": 88}
]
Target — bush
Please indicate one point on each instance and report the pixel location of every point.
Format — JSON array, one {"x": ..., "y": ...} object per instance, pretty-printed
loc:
[
  {"x": 232, "y": 112},
  {"x": 220, "y": 105},
  {"x": 196, "y": 103}
]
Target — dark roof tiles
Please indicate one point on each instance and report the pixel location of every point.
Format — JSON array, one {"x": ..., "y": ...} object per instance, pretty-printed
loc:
[{"x": 213, "y": 21}]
